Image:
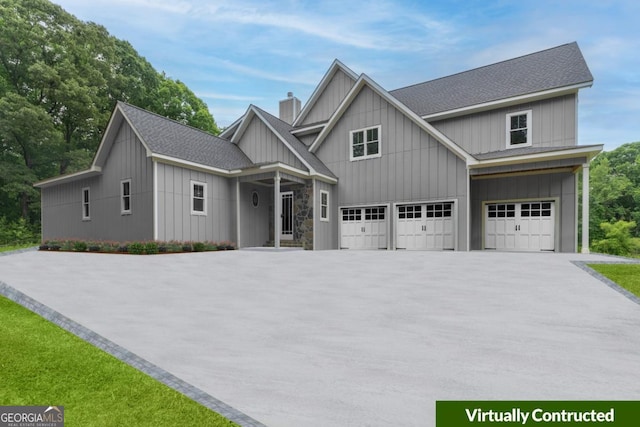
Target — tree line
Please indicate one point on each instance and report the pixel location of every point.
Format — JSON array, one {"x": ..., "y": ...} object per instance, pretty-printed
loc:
[{"x": 60, "y": 79}]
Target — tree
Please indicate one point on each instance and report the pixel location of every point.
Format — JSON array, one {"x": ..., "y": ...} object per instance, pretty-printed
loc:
[
  {"x": 615, "y": 189},
  {"x": 60, "y": 79}
]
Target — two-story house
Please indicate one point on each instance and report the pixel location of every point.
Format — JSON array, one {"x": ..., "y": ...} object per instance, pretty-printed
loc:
[{"x": 483, "y": 159}]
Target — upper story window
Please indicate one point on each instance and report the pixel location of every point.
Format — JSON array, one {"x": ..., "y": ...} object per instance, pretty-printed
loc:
[
  {"x": 519, "y": 129},
  {"x": 198, "y": 198},
  {"x": 324, "y": 205},
  {"x": 125, "y": 196},
  {"x": 365, "y": 143},
  {"x": 85, "y": 204}
]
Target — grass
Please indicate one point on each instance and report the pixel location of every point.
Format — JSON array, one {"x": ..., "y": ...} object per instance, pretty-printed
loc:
[
  {"x": 15, "y": 247},
  {"x": 42, "y": 364},
  {"x": 625, "y": 275}
]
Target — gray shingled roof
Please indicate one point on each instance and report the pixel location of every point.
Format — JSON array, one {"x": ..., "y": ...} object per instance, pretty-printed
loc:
[
  {"x": 549, "y": 69},
  {"x": 284, "y": 129},
  {"x": 170, "y": 138}
]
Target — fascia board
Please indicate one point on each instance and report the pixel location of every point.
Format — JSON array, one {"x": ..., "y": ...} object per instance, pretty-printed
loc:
[
  {"x": 244, "y": 123},
  {"x": 590, "y": 152},
  {"x": 308, "y": 129},
  {"x": 365, "y": 80},
  {"x": 284, "y": 168},
  {"x": 191, "y": 165},
  {"x": 335, "y": 66},
  {"x": 230, "y": 128},
  {"x": 536, "y": 96},
  {"x": 93, "y": 171},
  {"x": 107, "y": 138}
]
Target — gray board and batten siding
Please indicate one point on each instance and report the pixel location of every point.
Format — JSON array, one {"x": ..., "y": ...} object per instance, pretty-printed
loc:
[
  {"x": 553, "y": 124},
  {"x": 413, "y": 165},
  {"x": 261, "y": 145},
  {"x": 175, "y": 219},
  {"x": 63, "y": 203},
  {"x": 337, "y": 88}
]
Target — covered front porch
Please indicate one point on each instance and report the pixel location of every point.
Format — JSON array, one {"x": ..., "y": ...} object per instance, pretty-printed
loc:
[{"x": 275, "y": 208}]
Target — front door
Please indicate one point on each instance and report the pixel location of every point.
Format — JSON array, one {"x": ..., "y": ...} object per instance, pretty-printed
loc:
[{"x": 287, "y": 216}]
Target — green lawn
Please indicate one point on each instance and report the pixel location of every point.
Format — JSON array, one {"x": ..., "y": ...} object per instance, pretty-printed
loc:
[
  {"x": 625, "y": 275},
  {"x": 42, "y": 364},
  {"x": 7, "y": 248}
]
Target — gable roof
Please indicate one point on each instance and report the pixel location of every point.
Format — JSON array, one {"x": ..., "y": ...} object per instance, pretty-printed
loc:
[
  {"x": 172, "y": 139},
  {"x": 552, "y": 69},
  {"x": 326, "y": 79},
  {"x": 282, "y": 130},
  {"x": 365, "y": 80}
]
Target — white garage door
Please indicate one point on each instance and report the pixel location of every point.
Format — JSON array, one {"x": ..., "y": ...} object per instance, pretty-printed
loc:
[
  {"x": 363, "y": 228},
  {"x": 425, "y": 226},
  {"x": 520, "y": 226}
]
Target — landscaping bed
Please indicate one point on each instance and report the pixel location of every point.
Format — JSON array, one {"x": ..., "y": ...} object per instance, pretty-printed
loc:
[{"x": 134, "y": 248}]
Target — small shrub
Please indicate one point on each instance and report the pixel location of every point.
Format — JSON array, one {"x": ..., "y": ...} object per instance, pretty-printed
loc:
[
  {"x": 67, "y": 245},
  {"x": 136, "y": 248},
  {"x": 162, "y": 249},
  {"x": 618, "y": 240},
  {"x": 123, "y": 249},
  {"x": 79, "y": 246},
  {"x": 151, "y": 248},
  {"x": 187, "y": 248},
  {"x": 43, "y": 247},
  {"x": 211, "y": 246},
  {"x": 199, "y": 247},
  {"x": 94, "y": 248}
]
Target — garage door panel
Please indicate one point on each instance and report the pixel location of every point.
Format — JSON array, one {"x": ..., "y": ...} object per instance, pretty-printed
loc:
[
  {"x": 528, "y": 226},
  {"x": 363, "y": 228},
  {"x": 425, "y": 226}
]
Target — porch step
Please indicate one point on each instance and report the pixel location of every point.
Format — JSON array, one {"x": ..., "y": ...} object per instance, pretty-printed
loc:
[{"x": 284, "y": 244}]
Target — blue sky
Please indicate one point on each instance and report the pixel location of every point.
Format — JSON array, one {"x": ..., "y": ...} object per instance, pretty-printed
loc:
[{"x": 236, "y": 53}]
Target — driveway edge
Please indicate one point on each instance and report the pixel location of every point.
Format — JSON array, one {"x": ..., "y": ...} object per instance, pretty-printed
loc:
[
  {"x": 128, "y": 357},
  {"x": 613, "y": 285}
]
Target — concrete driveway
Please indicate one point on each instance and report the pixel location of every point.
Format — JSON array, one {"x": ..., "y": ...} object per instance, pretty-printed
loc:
[{"x": 295, "y": 338}]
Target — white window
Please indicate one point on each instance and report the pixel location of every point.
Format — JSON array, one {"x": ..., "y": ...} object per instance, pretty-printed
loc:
[
  {"x": 85, "y": 204},
  {"x": 125, "y": 196},
  {"x": 365, "y": 143},
  {"x": 519, "y": 129},
  {"x": 324, "y": 205},
  {"x": 198, "y": 198}
]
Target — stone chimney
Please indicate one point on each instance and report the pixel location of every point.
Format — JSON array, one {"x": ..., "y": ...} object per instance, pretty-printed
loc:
[{"x": 289, "y": 108}]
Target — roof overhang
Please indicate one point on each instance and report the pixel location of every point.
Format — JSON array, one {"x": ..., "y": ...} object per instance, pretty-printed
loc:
[
  {"x": 506, "y": 102},
  {"x": 279, "y": 166},
  {"x": 64, "y": 179},
  {"x": 589, "y": 152},
  {"x": 307, "y": 130}
]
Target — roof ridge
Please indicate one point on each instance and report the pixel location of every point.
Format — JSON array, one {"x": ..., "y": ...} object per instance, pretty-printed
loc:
[
  {"x": 169, "y": 119},
  {"x": 483, "y": 66}
]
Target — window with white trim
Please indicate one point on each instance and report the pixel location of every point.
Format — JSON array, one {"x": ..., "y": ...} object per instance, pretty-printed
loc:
[
  {"x": 364, "y": 143},
  {"x": 519, "y": 129},
  {"x": 198, "y": 198},
  {"x": 125, "y": 196},
  {"x": 324, "y": 205},
  {"x": 86, "y": 200}
]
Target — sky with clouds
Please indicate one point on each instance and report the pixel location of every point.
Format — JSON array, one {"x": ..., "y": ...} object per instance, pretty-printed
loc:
[{"x": 241, "y": 52}]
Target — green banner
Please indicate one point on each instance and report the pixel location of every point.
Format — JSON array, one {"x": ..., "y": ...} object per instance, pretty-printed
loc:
[{"x": 461, "y": 413}]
